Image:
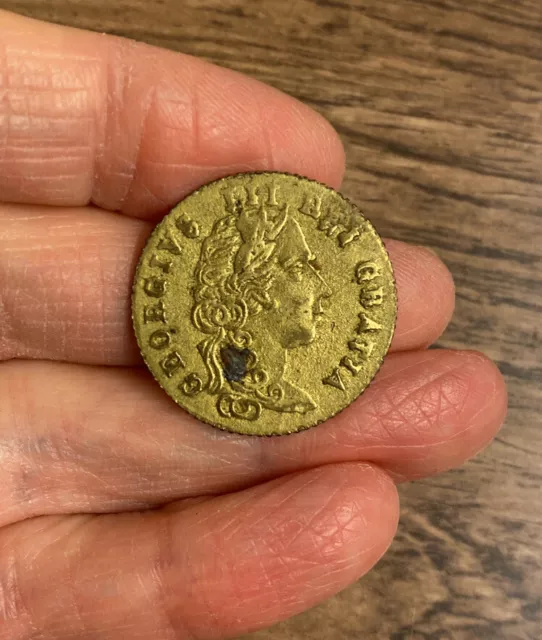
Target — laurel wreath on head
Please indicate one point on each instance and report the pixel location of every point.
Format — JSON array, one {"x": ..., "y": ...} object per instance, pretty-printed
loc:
[{"x": 233, "y": 277}]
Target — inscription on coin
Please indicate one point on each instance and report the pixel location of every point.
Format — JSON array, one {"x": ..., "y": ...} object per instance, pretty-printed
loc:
[
  {"x": 335, "y": 221},
  {"x": 154, "y": 313},
  {"x": 191, "y": 385},
  {"x": 163, "y": 265},
  {"x": 168, "y": 243},
  {"x": 367, "y": 274},
  {"x": 250, "y": 289}
]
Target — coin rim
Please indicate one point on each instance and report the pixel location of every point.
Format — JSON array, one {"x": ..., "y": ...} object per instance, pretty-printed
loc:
[{"x": 140, "y": 266}]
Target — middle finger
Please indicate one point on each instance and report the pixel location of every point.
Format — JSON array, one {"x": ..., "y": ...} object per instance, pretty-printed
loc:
[{"x": 66, "y": 278}]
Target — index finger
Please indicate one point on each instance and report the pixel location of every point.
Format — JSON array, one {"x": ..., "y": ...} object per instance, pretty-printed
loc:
[{"x": 90, "y": 118}]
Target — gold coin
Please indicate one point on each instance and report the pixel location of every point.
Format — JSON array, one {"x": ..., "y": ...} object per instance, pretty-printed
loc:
[{"x": 264, "y": 303}]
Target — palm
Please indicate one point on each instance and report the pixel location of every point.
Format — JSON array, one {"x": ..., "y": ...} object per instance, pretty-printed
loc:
[{"x": 122, "y": 516}]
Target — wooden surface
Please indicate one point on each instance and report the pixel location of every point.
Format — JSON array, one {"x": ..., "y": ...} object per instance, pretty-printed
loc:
[{"x": 439, "y": 103}]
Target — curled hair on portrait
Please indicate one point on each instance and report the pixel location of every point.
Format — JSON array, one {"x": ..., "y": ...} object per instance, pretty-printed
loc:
[{"x": 233, "y": 277}]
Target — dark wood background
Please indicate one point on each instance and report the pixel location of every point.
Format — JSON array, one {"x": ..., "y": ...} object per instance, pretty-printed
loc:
[{"x": 439, "y": 104}]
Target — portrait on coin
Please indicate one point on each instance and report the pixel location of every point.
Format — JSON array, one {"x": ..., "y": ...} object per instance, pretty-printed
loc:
[{"x": 259, "y": 294}]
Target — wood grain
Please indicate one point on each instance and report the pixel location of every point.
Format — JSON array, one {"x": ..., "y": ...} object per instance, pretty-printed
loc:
[{"x": 439, "y": 103}]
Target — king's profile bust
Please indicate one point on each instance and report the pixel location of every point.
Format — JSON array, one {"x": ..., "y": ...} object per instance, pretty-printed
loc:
[{"x": 258, "y": 295}]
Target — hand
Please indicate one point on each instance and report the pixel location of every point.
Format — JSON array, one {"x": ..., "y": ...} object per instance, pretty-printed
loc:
[{"x": 123, "y": 517}]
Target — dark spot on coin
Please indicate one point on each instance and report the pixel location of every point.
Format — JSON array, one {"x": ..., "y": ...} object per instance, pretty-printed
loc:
[{"x": 235, "y": 362}]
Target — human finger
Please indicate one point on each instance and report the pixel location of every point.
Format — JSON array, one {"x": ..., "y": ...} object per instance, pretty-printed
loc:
[
  {"x": 87, "y": 118},
  {"x": 213, "y": 570},
  {"x": 75, "y": 438},
  {"x": 66, "y": 280}
]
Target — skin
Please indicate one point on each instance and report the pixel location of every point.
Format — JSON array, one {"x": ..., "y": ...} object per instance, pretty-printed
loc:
[
  {"x": 298, "y": 290},
  {"x": 243, "y": 531}
]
